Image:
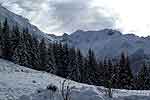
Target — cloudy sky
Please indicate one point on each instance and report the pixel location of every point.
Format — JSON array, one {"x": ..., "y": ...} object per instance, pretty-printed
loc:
[{"x": 59, "y": 16}]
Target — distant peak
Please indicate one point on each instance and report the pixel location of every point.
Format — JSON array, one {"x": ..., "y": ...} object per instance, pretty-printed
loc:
[
  {"x": 114, "y": 32},
  {"x": 65, "y": 34},
  {"x": 105, "y": 32},
  {"x": 79, "y": 31}
]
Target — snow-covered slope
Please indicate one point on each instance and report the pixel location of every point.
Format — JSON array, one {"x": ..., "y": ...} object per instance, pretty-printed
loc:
[
  {"x": 14, "y": 19},
  {"x": 20, "y": 83}
]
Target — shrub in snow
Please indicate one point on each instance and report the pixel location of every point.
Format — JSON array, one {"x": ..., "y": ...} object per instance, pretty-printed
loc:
[
  {"x": 66, "y": 90},
  {"x": 21, "y": 70},
  {"x": 52, "y": 87},
  {"x": 40, "y": 90},
  {"x": 33, "y": 81}
]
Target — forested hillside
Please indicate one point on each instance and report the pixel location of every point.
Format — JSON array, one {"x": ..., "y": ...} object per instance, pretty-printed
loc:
[{"x": 62, "y": 60}]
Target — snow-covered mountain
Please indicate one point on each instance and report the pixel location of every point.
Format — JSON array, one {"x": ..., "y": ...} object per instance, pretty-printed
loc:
[
  {"x": 22, "y": 22},
  {"x": 111, "y": 43},
  {"x": 21, "y": 83}
]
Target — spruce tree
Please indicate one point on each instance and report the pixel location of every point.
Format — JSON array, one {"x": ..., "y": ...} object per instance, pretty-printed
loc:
[
  {"x": 74, "y": 70},
  {"x": 143, "y": 79},
  {"x": 125, "y": 74},
  {"x": 58, "y": 51},
  {"x": 110, "y": 70},
  {"x": 1, "y": 28},
  {"x": 35, "y": 58},
  {"x": 116, "y": 77},
  {"x": 51, "y": 59},
  {"x": 6, "y": 45},
  {"x": 80, "y": 66},
  {"x": 28, "y": 43},
  {"x": 43, "y": 56},
  {"x": 65, "y": 59},
  {"x": 101, "y": 70},
  {"x": 85, "y": 76},
  {"x": 92, "y": 68},
  {"x": 1, "y": 39},
  {"x": 20, "y": 53},
  {"x": 15, "y": 38}
]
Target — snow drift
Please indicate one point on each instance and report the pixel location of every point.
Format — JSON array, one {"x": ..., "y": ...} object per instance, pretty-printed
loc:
[{"x": 20, "y": 83}]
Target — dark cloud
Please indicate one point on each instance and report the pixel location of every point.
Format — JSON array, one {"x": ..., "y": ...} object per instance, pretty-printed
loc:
[{"x": 62, "y": 15}]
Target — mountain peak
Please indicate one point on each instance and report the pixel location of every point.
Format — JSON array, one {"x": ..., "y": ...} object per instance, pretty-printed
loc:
[
  {"x": 65, "y": 34},
  {"x": 78, "y": 32},
  {"x": 111, "y": 32},
  {"x": 100, "y": 33}
]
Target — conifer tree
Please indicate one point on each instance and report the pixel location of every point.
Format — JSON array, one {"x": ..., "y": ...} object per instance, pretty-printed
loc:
[
  {"x": 62, "y": 61},
  {"x": 20, "y": 53},
  {"x": 1, "y": 39},
  {"x": 58, "y": 51},
  {"x": 65, "y": 59},
  {"x": 101, "y": 70},
  {"x": 35, "y": 58},
  {"x": 15, "y": 37},
  {"x": 74, "y": 70},
  {"x": 91, "y": 65},
  {"x": 6, "y": 45},
  {"x": 43, "y": 55},
  {"x": 110, "y": 71},
  {"x": 1, "y": 28},
  {"x": 28, "y": 43},
  {"x": 125, "y": 74},
  {"x": 51, "y": 60},
  {"x": 80, "y": 66},
  {"x": 143, "y": 79}
]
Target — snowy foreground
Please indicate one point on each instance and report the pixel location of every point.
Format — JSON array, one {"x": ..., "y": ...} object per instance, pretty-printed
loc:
[{"x": 20, "y": 83}]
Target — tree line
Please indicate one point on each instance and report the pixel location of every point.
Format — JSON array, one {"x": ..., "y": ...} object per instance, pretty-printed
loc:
[{"x": 68, "y": 62}]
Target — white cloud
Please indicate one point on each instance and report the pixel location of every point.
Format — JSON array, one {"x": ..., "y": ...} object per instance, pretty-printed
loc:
[
  {"x": 133, "y": 15},
  {"x": 58, "y": 16}
]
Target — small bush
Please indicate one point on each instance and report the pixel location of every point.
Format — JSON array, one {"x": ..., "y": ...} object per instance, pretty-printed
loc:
[
  {"x": 38, "y": 91},
  {"x": 22, "y": 70},
  {"x": 33, "y": 81},
  {"x": 52, "y": 87}
]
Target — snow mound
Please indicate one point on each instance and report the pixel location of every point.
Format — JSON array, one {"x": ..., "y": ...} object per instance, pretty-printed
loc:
[
  {"x": 21, "y": 83},
  {"x": 85, "y": 94},
  {"x": 89, "y": 93},
  {"x": 16, "y": 80}
]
